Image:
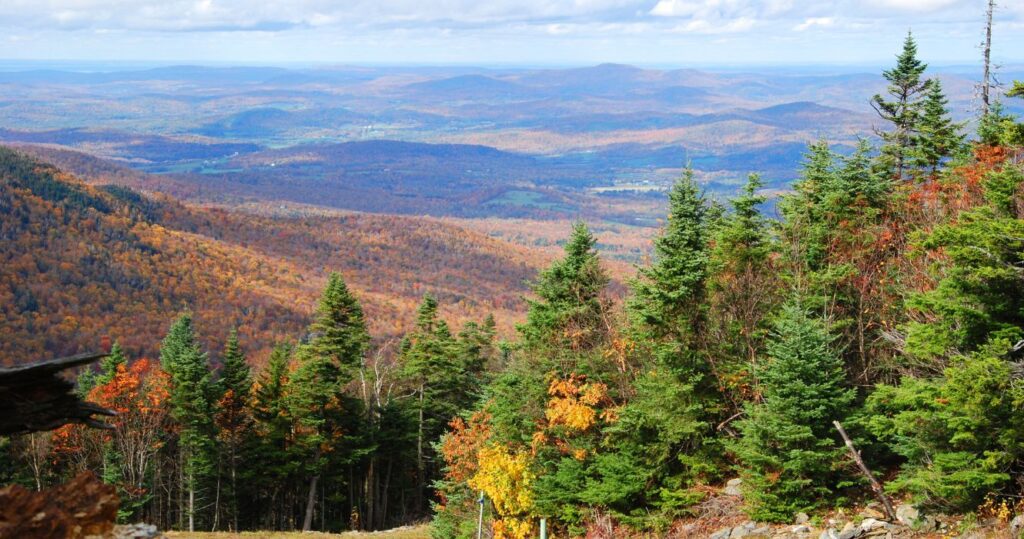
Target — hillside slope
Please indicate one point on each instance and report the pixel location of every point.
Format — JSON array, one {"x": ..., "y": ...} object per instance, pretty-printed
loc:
[{"x": 82, "y": 262}]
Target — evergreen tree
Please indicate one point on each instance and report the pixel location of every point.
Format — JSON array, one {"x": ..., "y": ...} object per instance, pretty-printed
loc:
[
  {"x": 233, "y": 418},
  {"x": 665, "y": 429},
  {"x": 668, "y": 297},
  {"x": 567, "y": 314},
  {"x": 271, "y": 464},
  {"x": 788, "y": 450},
  {"x": 192, "y": 401},
  {"x": 325, "y": 365},
  {"x": 108, "y": 370},
  {"x": 902, "y": 108},
  {"x": 979, "y": 295},
  {"x": 743, "y": 283},
  {"x": 445, "y": 375},
  {"x": 804, "y": 227},
  {"x": 938, "y": 136},
  {"x": 960, "y": 435}
]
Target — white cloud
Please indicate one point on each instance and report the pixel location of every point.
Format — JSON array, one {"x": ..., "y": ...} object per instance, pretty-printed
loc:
[
  {"x": 812, "y": 22},
  {"x": 412, "y": 27},
  {"x": 919, "y": 6}
]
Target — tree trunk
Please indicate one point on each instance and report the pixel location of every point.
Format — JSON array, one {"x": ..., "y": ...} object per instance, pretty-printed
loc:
[
  {"x": 369, "y": 495},
  {"x": 875, "y": 485},
  {"x": 307, "y": 523},
  {"x": 986, "y": 78},
  {"x": 216, "y": 502},
  {"x": 191, "y": 502},
  {"x": 234, "y": 490},
  {"x": 419, "y": 459}
]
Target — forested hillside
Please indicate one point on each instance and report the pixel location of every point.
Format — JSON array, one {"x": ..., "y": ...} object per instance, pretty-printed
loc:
[
  {"x": 886, "y": 302},
  {"x": 83, "y": 265}
]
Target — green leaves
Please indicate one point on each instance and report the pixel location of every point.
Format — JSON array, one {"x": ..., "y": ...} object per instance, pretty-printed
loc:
[{"x": 960, "y": 435}]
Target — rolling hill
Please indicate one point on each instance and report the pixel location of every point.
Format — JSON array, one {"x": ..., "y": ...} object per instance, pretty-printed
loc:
[{"x": 82, "y": 262}]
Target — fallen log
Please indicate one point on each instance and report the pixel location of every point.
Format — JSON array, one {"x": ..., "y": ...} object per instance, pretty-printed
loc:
[{"x": 875, "y": 485}]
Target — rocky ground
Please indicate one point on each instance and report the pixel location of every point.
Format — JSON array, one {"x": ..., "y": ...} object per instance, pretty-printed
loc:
[{"x": 721, "y": 517}]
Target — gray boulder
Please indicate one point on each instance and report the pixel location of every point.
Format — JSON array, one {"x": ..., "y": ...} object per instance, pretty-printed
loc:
[{"x": 1017, "y": 527}]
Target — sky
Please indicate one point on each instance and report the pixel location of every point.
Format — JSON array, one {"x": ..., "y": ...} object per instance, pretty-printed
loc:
[{"x": 505, "y": 32}]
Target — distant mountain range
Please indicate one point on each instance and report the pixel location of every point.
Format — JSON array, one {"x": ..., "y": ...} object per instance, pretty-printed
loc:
[{"x": 457, "y": 141}]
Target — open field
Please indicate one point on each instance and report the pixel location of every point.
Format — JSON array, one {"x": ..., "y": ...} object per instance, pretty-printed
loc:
[{"x": 407, "y": 532}]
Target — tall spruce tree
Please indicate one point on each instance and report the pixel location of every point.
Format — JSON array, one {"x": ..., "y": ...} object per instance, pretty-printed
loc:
[
  {"x": 788, "y": 450},
  {"x": 568, "y": 314},
  {"x": 901, "y": 108},
  {"x": 272, "y": 463},
  {"x": 668, "y": 297},
  {"x": 665, "y": 430},
  {"x": 938, "y": 137},
  {"x": 233, "y": 419},
  {"x": 444, "y": 373},
  {"x": 192, "y": 399},
  {"x": 338, "y": 341},
  {"x": 743, "y": 284}
]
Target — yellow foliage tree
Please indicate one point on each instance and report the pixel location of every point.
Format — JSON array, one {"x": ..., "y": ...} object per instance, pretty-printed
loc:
[{"x": 505, "y": 478}]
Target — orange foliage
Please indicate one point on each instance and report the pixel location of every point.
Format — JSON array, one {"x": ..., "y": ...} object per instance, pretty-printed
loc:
[
  {"x": 462, "y": 445},
  {"x": 75, "y": 271}
]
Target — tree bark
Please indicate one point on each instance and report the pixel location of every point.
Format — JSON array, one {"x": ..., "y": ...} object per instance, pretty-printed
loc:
[
  {"x": 986, "y": 79},
  {"x": 307, "y": 523},
  {"x": 875, "y": 485},
  {"x": 191, "y": 502},
  {"x": 420, "y": 482}
]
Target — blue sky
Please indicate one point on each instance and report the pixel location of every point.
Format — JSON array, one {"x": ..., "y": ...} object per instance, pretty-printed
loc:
[{"x": 495, "y": 32}]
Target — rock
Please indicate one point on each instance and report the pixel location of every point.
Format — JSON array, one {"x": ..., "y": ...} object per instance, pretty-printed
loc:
[
  {"x": 800, "y": 529},
  {"x": 850, "y": 531},
  {"x": 802, "y": 518},
  {"x": 722, "y": 534},
  {"x": 1017, "y": 527},
  {"x": 733, "y": 487},
  {"x": 81, "y": 507},
  {"x": 907, "y": 514},
  {"x": 743, "y": 530},
  {"x": 870, "y": 512},
  {"x": 762, "y": 531},
  {"x": 870, "y": 524},
  {"x": 830, "y": 533},
  {"x": 134, "y": 531},
  {"x": 911, "y": 517}
]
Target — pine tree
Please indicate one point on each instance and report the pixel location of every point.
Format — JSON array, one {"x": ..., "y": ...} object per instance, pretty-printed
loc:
[
  {"x": 676, "y": 397},
  {"x": 326, "y": 364},
  {"x": 568, "y": 312},
  {"x": 233, "y": 413},
  {"x": 743, "y": 283},
  {"x": 668, "y": 297},
  {"x": 109, "y": 364},
  {"x": 192, "y": 401},
  {"x": 444, "y": 373},
  {"x": 903, "y": 109},
  {"x": 787, "y": 449},
  {"x": 938, "y": 137},
  {"x": 980, "y": 295},
  {"x": 271, "y": 461},
  {"x": 804, "y": 227}
]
